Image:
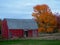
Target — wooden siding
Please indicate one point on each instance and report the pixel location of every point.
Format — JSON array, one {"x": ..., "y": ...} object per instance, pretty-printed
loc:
[{"x": 4, "y": 29}]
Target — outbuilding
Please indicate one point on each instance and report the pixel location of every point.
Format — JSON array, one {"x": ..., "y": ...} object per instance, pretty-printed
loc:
[{"x": 19, "y": 28}]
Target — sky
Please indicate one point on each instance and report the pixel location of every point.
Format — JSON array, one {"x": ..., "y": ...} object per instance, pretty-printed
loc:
[{"x": 22, "y": 9}]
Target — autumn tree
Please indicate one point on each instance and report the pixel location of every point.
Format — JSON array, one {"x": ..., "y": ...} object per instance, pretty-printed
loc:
[{"x": 44, "y": 17}]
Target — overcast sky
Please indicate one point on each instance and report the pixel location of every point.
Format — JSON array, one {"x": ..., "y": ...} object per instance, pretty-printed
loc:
[{"x": 23, "y": 8}]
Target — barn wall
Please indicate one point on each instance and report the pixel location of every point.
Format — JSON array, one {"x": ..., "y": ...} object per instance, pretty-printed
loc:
[
  {"x": 35, "y": 33},
  {"x": 20, "y": 33},
  {"x": 32, "y": 33},
  {"x": 29, "y": 33},
  {"x": 16, "y": 33},
  {"x": 4, "y": 29}
]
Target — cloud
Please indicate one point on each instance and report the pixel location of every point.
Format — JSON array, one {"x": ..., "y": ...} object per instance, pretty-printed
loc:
[{"x": 17, "y": 8}]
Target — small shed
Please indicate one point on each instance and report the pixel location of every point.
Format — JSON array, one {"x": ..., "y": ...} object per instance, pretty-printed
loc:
[{"x": 19, "y": 28}]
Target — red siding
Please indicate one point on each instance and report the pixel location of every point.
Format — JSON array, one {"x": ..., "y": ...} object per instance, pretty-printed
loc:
[
  {"x": 35, "y": 33},
  {"x": 16, "y": 32},
  {"x": 29, "y": 33},
  {"x": 4, "y": 29}
]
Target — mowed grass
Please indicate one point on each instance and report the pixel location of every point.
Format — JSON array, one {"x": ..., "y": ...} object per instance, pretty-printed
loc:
[{"x": 30, "y": 42}]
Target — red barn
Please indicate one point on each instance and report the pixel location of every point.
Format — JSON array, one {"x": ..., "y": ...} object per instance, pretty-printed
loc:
[{"x": 19, "y": 28}]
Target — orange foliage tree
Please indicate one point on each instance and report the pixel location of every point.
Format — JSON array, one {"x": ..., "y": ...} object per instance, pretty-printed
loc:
[{"x": 44, "y": 17}]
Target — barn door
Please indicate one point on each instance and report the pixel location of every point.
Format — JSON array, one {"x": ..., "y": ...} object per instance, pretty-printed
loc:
[
  {"x": 25, "y": 33},
  {"x": 34, "y": 33}
]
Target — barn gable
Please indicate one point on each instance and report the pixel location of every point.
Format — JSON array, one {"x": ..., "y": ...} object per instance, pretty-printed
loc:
[{"x": 21, "y": 24}]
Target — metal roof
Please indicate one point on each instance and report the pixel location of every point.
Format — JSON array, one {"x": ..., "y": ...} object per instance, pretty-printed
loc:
[{"x": 22, "y": 24}]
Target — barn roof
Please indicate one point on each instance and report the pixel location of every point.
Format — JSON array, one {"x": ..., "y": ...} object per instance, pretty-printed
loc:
[{"x": 21, "y": 24}]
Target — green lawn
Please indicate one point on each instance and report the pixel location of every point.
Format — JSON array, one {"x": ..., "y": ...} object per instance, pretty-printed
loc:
[{"x": 30, "y": 42}]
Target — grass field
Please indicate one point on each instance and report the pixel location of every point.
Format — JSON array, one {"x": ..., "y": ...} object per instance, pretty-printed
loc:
[{"x": 30, "y": 42}]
